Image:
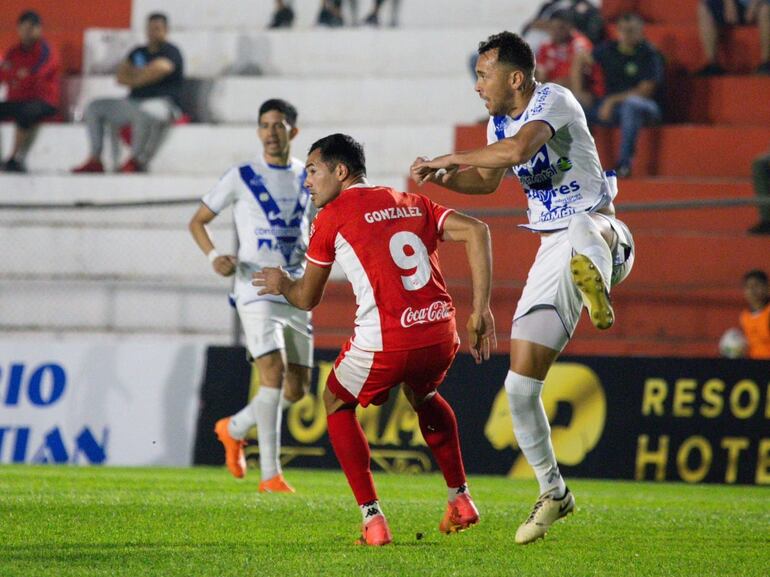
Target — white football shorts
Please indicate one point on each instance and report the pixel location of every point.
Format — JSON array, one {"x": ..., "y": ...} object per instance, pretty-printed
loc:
[
  {"x": 270, "y": 326},
  {"x": 549, "y": 282}
]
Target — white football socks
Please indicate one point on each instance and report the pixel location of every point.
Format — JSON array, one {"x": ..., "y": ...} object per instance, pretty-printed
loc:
[
  {"x": 370, "y": 510},
  {"x": 454, "y": 492},
  {"x": 533, "y": 433},
  {"x": 586, "y": 239},
  {"x": 264, "y": 411}
]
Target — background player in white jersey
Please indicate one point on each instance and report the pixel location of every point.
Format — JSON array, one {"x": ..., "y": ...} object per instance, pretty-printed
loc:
[
  {"x": 272, "y": 211},
  {"x": 540, "y": 131}
]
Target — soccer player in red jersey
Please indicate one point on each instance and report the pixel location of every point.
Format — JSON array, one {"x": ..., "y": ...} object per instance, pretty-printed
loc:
[{"x": 385, "y": 242}]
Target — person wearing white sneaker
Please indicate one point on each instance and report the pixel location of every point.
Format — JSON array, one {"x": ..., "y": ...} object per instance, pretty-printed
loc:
[{"x": 540, "y": 132}]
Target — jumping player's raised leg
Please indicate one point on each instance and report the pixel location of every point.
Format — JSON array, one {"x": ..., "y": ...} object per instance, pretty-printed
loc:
[{"x": 592, "y": 240}]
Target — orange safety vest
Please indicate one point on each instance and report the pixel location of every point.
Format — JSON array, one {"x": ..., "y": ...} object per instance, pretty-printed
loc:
[{"x": 756, "y": 327}]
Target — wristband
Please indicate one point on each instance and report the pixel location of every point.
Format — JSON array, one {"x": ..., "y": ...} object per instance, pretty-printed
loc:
[{"x": 212, "y": 255}]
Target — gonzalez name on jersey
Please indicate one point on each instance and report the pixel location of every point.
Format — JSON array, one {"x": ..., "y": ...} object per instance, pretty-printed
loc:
[
  {"x": 565, "y": 176},
  {"x": 400, "y": 292},
  {"x": 272, "y": 212}
]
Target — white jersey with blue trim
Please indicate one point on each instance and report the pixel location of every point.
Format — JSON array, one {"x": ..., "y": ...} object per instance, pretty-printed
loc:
[
  {"x": 272, "y": 213},
  {"x": 565, "y": 176}
]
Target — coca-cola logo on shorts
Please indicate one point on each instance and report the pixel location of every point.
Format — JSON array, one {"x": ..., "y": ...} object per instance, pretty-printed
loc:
[{"x": 434, "y": 312}]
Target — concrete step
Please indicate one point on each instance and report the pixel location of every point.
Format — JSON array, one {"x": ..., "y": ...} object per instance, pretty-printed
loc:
[
  {"x": 250, "y": 15},
  {"x": 301, "y": 53},
  {"x": 198, "y": 149},
  {"x": 436, "y": 99}
]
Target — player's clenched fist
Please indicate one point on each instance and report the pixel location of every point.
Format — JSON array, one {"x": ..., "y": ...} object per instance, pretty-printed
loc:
[
  {"x": 271, "y": 279},
  {"x": 224, "y": 265}
]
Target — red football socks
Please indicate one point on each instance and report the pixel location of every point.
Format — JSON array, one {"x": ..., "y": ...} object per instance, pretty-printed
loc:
[
  {"x": 352, "y": 450},
  {"x": 439, "y": 428}
]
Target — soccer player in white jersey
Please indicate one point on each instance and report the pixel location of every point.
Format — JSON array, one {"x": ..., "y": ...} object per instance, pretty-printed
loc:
[
  {"x": 272, "y": 211},
  {"x": 540, "y": 131}
]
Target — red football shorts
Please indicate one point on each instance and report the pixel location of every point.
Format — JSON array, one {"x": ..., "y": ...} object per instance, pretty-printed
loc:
[{"x": 366, "y": 377}]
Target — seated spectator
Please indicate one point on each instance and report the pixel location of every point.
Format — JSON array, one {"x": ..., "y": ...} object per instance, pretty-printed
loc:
[
  {"x": 31, "y": 71},
  {"x": 755, "y": 321},
  {"x": 331, "y": 14},
  {"x": 555, "y": 57},
  {"x": 761, "y": 170},
  {"x": 585, "y": 17},
  {"x": 155, "y": 74},
  {"x": 632, "y": 72},
  {"x": 714, "y": 15},
  {"x": 283, "y": 16},
  {"x": 374, "y": 16}
]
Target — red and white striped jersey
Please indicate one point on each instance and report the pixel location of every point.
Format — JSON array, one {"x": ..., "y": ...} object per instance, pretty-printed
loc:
[{"x": 385, "y": 242}]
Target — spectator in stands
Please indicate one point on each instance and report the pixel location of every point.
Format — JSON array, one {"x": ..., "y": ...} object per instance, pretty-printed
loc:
[
  {"x": 555, "y": 57},
  {"x": 374, "y": 16},
  {"x": 761, "y": 171},
  {"x": 716, "y": 14},
  {"x": 755, "y": 321},
  {"x": 586, "y": 18},
  {"x": 31, "y": 71},
  {"x": 632, "y": 73},
  {"x": 283, "y": 17},
  {"x": 155, "y": 74},
  {"x": 331, "y": 14}
]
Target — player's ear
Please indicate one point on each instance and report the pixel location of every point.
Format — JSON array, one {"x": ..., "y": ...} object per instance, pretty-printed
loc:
[
  {"x": 341, "y": 171},
  {"x": 293, "y": 132}
]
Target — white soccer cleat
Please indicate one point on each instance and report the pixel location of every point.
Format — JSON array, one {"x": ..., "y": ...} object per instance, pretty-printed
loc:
[
  {"x": 545, "y": 513},
  {"x": 596, "y": 297}
]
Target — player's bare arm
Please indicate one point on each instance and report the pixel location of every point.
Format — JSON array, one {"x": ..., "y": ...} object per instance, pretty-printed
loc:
[
  {"x": 304, "y": 293},
  {"x": 500, "y": 155},
  {"x": 223, "y": 265},
  {"x": 478, "y": 245},
  {"x": 469, "y": 180}
]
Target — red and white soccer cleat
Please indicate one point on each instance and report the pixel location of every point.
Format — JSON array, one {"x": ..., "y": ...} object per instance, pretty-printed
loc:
[
  {"x": 234, "y": 457},
  {"x": 132, "y": 166},
  {"x": 276, "y": 484},
  {"x": 460, "y": 514},
  {"x": 375, "y": 532}
]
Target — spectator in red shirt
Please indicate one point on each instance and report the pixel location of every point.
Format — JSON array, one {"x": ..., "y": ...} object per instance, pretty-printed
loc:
[
  {"x": 555, "y": 57},
  {"x": 31, "y": 71}
]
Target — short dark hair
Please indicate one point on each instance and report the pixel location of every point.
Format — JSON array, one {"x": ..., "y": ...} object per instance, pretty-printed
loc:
[
  {"x": 511, "y": 49},
  {"x": 281, "y": 106},
  {"x": 158, "y": 16},
  {"x": 30, "y": 16},
  {"x": 756, "y": 274},
  {"x": 341, "y": 149}
]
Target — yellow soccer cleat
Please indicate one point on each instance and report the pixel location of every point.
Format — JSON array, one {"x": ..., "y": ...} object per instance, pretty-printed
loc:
[{"x": 596, "y": 297}]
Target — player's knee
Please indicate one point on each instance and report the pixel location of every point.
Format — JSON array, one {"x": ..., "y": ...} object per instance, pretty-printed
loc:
[
  {"x": 522, "y": 391},
  {"x": 293, "y": 394}
]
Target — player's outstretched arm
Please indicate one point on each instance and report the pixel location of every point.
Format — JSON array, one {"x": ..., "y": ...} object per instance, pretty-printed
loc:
[
  {"x": 478, "y": 246},
  {"x": 499, "y": 155},
  {"x": 304, "y": 293},
  {"x": 222, "y": 264},
  {"x": 466, "y": 181}
]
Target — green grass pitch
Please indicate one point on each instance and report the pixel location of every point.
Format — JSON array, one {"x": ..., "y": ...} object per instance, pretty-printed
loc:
[{"x": 187, "y": 522}]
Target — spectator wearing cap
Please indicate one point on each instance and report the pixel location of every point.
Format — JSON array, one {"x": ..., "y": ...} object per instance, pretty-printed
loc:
[
  {"x": 31, "y": 71},
  {"x": 154, "y": 73}
]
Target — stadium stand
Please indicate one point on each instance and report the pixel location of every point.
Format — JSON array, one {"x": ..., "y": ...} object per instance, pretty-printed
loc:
[{"x": 404, "y": 93}]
